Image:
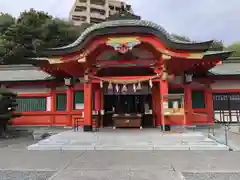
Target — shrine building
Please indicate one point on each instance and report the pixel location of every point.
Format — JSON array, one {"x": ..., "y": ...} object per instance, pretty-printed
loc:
[{"x": 126, "y": 72}]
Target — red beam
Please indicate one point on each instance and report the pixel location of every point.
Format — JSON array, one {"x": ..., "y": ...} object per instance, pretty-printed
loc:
[{"x": 136, "y": 63}]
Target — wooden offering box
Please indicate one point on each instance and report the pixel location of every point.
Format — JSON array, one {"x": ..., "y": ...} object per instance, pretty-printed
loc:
[{"x": 127, "y": 120}]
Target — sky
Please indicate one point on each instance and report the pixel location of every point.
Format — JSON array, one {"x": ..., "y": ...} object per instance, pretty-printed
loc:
[{"x": 197, "y": 19}]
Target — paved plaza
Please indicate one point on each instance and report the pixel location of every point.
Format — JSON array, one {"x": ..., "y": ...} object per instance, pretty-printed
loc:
[
  {"x": 102, "y": 165},
  {"x": 16, "y": 162}
]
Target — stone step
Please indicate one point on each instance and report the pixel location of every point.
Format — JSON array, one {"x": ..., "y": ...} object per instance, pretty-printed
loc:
[{"x": 70, "y": 140}]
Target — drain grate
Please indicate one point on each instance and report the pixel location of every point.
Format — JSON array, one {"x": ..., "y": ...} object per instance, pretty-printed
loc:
[
  {"x": 211, "y": 176},
  {"x": 25, "y": 175}
]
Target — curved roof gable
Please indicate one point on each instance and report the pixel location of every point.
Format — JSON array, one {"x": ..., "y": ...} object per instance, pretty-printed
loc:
[{"x": 129, "y": 24}]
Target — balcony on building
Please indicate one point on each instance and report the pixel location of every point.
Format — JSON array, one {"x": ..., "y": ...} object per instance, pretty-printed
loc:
[
  {"x": 98, "y": 13},
  {"x": 97, "y": 4},
  {"x": 81, "y": 3}
]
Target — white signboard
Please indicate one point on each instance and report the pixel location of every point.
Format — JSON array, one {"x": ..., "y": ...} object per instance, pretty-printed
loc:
[
  {"x": 175, "y": 104},
  {"x": 165, "y": 105},
  {"x": 49, "y": 104},
  {"x": 79, "y": 106}
]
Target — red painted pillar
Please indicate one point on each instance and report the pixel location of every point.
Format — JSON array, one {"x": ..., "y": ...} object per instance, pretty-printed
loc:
[
  {"x": 88, "y": 107},
  {"x": 188, "y": 105},
  {"x": 209, "y": 105},
  {"x": 163, "y": 91},
  {"x": 97, "y": 98},
  {"x": 69, "y": 104},
  {"x": 154, "y": 111},
  {"x": 101, "y": 105},
  {"x": 53, "y": 104}
]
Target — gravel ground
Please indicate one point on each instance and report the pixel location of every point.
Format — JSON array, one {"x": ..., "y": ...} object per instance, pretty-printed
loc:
[
  {"x": 211, "y": 176},
  {"x": 25, "y": 175}
]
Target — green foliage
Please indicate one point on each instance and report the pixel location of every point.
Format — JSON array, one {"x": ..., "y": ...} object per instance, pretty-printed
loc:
[
  {"x": 32, "y": 32},
  {"x": 236, "y": 48},
  {"x": 6, "y": 20},
  {"x": 7, "y": 107},
  {"x": 217, "y": 46}
]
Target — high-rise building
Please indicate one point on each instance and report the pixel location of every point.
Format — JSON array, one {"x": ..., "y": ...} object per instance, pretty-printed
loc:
[{"x": 95, "y": 11}]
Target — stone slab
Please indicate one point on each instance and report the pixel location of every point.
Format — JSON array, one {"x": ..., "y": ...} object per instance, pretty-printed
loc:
[
  {"x": 25, "y": 175},
  {"x": 172, "y": 147},
  {"x": 124, "y": 147}
]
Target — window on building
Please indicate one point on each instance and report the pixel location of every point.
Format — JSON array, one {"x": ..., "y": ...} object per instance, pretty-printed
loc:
[
  {"x": 82, "y": 1},
  {"x": 98, "y": 2},
  {"x": 31, "y": 104},
  {"x": 80, "y": 8},
  {"x": 175, "y": 91},
  {"x": 111, "y": 7},
  {"x": 118, "y": 9},
  {"x": 78, "y": 100},
  {"x": 97, "y": 11},
  {"x": 61, "y": 102},
  {"x": 79, "y": 18},
  {"x": 128, "y": 7},
  {"x": 198, "y": 99}
]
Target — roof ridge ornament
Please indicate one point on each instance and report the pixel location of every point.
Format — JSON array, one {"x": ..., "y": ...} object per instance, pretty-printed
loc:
[{"x": 123, "y": 14}]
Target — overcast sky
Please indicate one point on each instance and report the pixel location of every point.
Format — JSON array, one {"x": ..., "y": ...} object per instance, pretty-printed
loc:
[{"x": 197, "y": 19}]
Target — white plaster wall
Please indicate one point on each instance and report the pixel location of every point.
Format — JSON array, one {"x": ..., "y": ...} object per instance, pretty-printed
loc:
[
  {"x": 226, "y": 84},
  {"x": 29, "y": 89}
]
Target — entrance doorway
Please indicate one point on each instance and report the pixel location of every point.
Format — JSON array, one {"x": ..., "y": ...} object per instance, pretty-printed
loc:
[{"x": 127, "y": 104}]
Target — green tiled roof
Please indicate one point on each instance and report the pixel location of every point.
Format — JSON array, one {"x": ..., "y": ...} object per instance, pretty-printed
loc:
[
  {"x": 12, "y": 73},
  {"x": 125, "y": 23},
  {"x": 230, "y": 66},
  {"x": 131, "y": 26}
]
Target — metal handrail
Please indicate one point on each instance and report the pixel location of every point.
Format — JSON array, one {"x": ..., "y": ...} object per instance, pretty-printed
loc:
[{"x": 227, "y": 128}]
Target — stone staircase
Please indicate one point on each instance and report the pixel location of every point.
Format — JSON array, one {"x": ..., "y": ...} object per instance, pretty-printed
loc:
[
  {"x": 127, "y": 140},
  {"x": 151, "y": 139}
]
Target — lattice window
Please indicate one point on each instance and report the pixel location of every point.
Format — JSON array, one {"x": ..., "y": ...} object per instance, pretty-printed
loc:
[
  {"x": 30, "y": 104},
  {"x": 78, "y": 100},
  {"x": 61, "y": 102}
]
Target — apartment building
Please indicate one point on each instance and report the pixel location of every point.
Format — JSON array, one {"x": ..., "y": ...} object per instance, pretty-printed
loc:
[{"x": 94, "y": 11}]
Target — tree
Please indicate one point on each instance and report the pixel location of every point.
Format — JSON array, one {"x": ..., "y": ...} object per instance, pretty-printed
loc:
[
  {"x": 32, "y": 32},
  {"x": 6, "y": 20},
  {"x": 236, "y": 48},
  {"x": 217, "y": 46},
  {"x": 7, "y": 108}
]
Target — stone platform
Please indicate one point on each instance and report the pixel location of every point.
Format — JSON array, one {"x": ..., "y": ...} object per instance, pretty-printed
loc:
[{"x": 127, "y": 139}]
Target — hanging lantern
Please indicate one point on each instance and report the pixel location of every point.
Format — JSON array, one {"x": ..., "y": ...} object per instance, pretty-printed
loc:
[
  {"x": 139, "y": 87},
  {"x": 101, "y": 84},
  {"x": 165, "y": 76},
  {"x": 134, "y": 88},
  {"x": 110, "y": 86},
  {"x": 150, "y": 83},
  {"x": 124, "y": 88},
  {"x": 117, "y": 87}
]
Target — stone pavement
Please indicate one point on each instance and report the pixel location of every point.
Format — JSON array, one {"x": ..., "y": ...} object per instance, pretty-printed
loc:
[
  {"x": 124, "y": 165},
  {"x": 135, "y": 139},
  {"x": 16, "y": 163}
]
